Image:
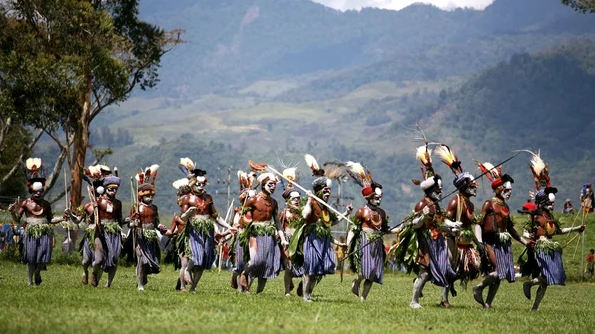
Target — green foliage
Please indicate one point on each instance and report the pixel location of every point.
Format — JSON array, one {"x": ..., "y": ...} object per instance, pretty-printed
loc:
[{"x": 581, "y": 5}]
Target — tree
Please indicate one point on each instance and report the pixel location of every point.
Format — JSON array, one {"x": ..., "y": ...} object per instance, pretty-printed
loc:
[
  {"x": 82, "y": 56},
  {"x": 584, "y": 6}
]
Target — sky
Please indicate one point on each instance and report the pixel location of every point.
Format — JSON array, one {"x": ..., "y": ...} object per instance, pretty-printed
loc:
[{"x": 398, "y": 4}]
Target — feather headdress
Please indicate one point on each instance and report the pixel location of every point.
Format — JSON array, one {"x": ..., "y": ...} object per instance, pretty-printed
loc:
[
  {"x": 149, "y": 175},
  {"x": 320, "y": 181},
  {"x": 186, "y": 166},
  {"x": 424, "y": 155},
  {"x": 363, "y": 177},
  {"x": 541, "y": 177},
  {"x": 34, "y": 170},
  {"x": 494, "y": 174},
  {"x": 449, "y": 158}
]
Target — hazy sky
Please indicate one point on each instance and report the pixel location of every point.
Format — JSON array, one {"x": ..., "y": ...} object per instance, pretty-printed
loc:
[{"x": 398, "y": 4}]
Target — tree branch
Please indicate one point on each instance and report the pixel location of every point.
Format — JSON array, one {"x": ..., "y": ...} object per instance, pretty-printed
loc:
[
  {"x": 51, "y": 180},
  {"x": 26, "y": 151}
]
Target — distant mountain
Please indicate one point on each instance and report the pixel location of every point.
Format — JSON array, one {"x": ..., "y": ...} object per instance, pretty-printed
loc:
[{"x": 234, "y": 43}]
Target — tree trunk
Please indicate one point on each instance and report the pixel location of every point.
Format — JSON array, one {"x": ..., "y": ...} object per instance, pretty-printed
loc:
[{"x": 79, "y": 152}]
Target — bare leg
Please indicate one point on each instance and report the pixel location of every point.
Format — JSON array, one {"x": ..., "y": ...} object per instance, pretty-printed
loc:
[
  {"x": 110, "y": 276},
  {"x": 261, "y": 284},
  {"x": 140, "y": 273},
  {"x": 540, "y": 293},
  {"x": 38, "y": 268},
  {"x": 367, "y": 287},
  {"x": 86, "y": 263},
  {"x": 196, "y": 274},
  {"x": 444, "y": 301},
  {"x": 287, "y": 277},
  {"x": 99, "y": 253},
  {"x": 418, "y": 286},
  {"x": 492, "y": 278},
  {"x": 307, "y": 287},
  {"x": 492, "y": 293},
  {"x": 30, "y": 273},
  {"x": 183, "y": 272},
  {"x": 356, "y": 284}
]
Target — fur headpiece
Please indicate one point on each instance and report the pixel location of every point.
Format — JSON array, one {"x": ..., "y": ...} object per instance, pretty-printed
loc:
[
  {"x": 181, "y": 186},
  {"x": 266, "y": 177},
  {"x": 320, "y": 181},
  {"x": 290, "y": 193}
]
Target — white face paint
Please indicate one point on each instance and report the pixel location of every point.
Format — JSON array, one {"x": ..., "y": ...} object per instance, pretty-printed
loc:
[
  {"x": 111, "y": 191},
  {"x": 326, "y": 193},
  {"x": 294, "y": 199},
  {"x": 376, "y": 198},
  {"x": 507, "y": 191},
  {"x": 270, "y": 187},
  {"x": 37, "y": 190},
  {"x": 147, "y": 199},
  {"x": 200, "y": 184},
  {"x": 551, "y": 201},
  {"x": 435, "y": 194},
  {"x": 470, "y": 189}
]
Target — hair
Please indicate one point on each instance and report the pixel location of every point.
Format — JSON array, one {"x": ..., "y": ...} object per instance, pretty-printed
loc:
[{"x": 592, "y": 250}]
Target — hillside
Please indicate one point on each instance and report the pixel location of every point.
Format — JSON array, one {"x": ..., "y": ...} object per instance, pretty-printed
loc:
[{"x": 231, "y": 44}]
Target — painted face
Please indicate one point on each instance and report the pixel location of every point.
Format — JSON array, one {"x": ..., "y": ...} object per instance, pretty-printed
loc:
[
  {"x": 111, "y": 191},
  {"x": 376, "y": 198},
  {"x": 199, "y": 186},
  {"x": 507, "y": 191},
  {"x": 294, "y": 199},
  {"x": 550, "y": 202},
  {"x": 270, "y": 186},
  {"x": 435, "y": 192},
  {"x": 470, "y": 189},
  {"x": 325, "y": 193},
  {"x": 37, "y": 190},
  {"x": 147, "y": 199}
]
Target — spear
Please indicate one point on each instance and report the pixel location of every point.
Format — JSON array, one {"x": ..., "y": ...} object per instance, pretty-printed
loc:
[
  {"x": 133, "y": 206},
  {"x": 67, "y": 207}
]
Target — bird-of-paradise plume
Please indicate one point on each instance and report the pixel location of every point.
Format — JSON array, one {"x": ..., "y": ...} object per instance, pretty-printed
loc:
[
  {"x": 491, "y": 172},
  {"x": 449, "y": 158},
  {"x": 148, "y": 175},
  {"x": 186, "y": 166},
  {"x": 359, "y": 173},
  {"x": 539, "y": 170},
  {"x": 313, "y": 164}
]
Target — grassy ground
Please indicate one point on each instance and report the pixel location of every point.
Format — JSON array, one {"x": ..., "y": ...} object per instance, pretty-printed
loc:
[{"x": 63, "y": 304}]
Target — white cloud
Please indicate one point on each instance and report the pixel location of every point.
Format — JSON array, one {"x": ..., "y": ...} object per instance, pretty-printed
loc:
[{"x": 399, "y": 4}]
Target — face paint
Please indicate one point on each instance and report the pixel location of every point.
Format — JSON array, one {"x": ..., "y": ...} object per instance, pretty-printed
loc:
[
  {"x": 270, "y": 187},
  {"x": 325, "y": 194},
  {"x": 111, "y": 191},
  {"x": 507, "y": 191},
  {"x": 147, "y": 199},
  {"x": 435, "y": 192},
  {"x": 470, "y": 189}
]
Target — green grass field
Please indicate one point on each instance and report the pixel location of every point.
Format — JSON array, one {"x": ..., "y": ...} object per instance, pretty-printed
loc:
[{"x": 63, "y": 305}]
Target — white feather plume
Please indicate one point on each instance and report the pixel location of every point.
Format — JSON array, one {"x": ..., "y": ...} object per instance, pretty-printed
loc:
[
  {"x": 311, "y": 162},
  {"x": 33, "y": 163}
]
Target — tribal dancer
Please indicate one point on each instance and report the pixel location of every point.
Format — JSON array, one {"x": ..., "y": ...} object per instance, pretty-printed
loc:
[
  {"x": 241, "y": 220},
  {"x": 497, "y": 231},
  {"x": 427, "y": 232},
  {"x": 291, "y": 219},
  {"x": 315, "y": 235},
  {"x": 199, "y": 234},
  {"x": 544, "y": 227},
  {"x": 465, "y": 259},
  {"x": 365, "y": 242},
  {"x": 103, "y": 238},
  {"x": 176, "y": 245},
  {"x": 264, "y": 254},
  {"x": 37, "y": 243},
  {"x": 145, "y": 223}
]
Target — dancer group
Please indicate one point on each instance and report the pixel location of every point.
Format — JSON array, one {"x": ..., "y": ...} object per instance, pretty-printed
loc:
[{"x": 453, "y": 240}]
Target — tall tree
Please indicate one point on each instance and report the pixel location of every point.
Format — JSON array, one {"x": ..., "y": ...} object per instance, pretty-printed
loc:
[
  {"x": 585, "y": 6},
  {"x": 67, "y": 60}
]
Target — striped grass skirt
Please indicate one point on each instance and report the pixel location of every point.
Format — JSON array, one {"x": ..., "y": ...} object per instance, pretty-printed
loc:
[
  {"x": 551, "y": 266},
  {"x": 148, "y": 254},
  {"x": 504, "y": 260},
  {"x": 319, "y": 257},
  {"x": 266, "y": 261},
  {"x": 37, "y": 250},
  {"x": 202, "y": 249},
  {"x": 371, "y": 258},
  {"x": 442, "y": 273}
]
